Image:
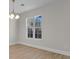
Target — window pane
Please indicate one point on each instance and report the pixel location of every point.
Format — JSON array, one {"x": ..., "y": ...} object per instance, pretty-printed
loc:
[
  {"x": 37, "y": 24},
  {"x": 38, "y": 21},
  {"x": 30, "y": 33},
  {"x": 38, "y": 33},
  {"x": 35, "y": 35},
  {"x": 30, "y": 22},
  {"x": 38, "y": 36}
]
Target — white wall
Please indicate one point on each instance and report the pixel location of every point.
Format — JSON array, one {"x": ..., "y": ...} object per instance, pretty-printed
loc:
[
  {"x": 55, "y": 26},
  {"x": 12, "y": 31}
]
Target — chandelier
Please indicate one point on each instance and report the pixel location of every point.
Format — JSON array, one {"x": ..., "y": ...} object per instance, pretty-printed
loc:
[{"x": 13, "y": 15}]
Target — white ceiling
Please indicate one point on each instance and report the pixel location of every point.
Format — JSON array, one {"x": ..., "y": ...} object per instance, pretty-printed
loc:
[{"x": 28, "y": 5}]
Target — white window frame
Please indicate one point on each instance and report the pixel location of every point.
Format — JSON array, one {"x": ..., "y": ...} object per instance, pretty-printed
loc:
[{"x": 33, "y": 31}]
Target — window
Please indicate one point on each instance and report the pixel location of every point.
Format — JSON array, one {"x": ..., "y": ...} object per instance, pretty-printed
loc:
[{"x": 34, "y": 27}]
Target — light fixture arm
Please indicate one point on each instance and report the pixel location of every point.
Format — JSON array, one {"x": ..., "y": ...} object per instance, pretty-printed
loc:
[
  {"x": 13, "y": 5},
  {"x": 13, "y": 15}
]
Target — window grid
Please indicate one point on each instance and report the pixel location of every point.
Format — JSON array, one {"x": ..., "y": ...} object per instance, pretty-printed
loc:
[{"x": 34, "y": 28}]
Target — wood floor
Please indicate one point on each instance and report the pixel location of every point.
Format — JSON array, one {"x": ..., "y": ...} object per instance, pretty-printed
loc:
[{"x": 25, "y": 52}]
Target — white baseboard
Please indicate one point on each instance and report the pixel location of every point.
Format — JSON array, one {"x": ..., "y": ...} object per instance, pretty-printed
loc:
[
  {"x": 12, "y": 43},
  {"x": 47, "y": 49}
]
